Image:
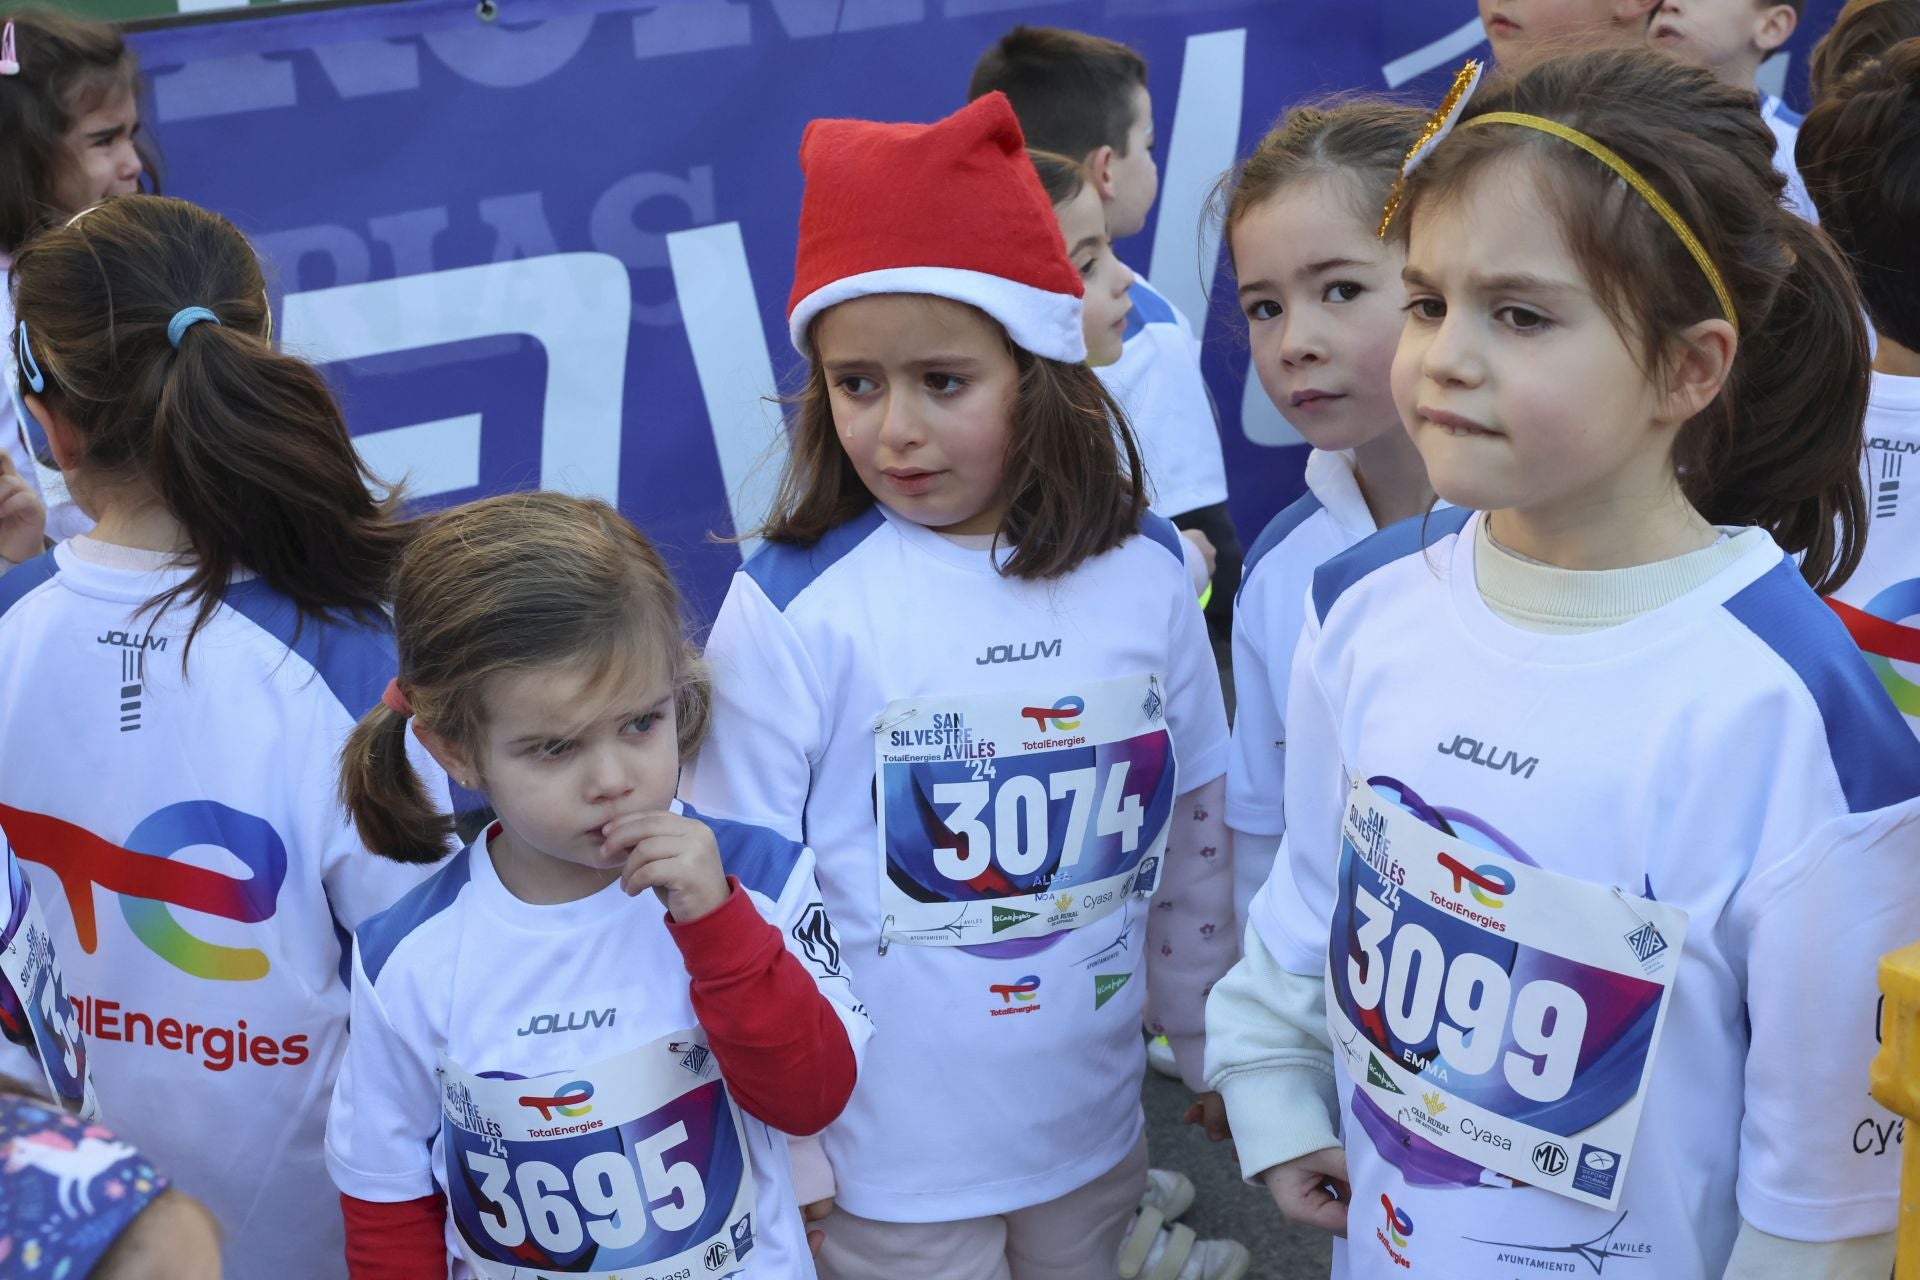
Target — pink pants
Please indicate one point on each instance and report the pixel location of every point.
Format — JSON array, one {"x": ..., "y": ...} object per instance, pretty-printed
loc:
[{"x": 1076, "y": 1237}]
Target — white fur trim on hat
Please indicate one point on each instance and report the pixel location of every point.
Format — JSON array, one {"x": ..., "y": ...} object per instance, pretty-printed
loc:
[{"x": 1043, "y": 322}]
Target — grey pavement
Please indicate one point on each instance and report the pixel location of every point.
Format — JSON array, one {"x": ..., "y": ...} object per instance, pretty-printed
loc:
[{"x": 1224, "y": 1205}]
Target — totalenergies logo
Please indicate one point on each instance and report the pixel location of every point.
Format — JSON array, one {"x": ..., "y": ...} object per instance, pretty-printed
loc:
[
  {"x": 1489, "y": 884},
  {"x": 1399, "y": 1224},
  {"x": 1884, "y": 639},
  {"x": 1025, "y": 990},
  {"x": 1062, "y": 715},
  {"x": 570, "y": 1099},
  {"x": 149, "y": 881}
]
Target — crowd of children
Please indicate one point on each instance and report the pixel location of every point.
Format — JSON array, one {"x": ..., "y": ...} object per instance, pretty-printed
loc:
[{"x": 1610, "y": 367}]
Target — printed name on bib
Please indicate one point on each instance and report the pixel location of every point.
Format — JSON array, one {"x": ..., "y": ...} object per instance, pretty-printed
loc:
[{"x": 1006, "y": 816}]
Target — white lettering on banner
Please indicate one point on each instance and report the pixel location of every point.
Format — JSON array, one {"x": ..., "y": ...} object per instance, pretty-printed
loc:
[
  {"x": 729, "y": 344},
  {"x": 430, "y": 457},
  {"x": 1206, "y": 131},
  {"x": 1443, "y": 52},
  {"x": 578, "y": 306}
]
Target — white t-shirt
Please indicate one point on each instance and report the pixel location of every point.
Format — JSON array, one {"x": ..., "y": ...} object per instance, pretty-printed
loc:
[
  {"x": 1881, "y": 600},
  {"x": 810, "y": 647},
  {"x": 197, "y": 872},
  {"x": 461, "y": 967},
  {"x": 1328, "y": 518},
  {"x": 1727, "y": 754},
  {"x": 64, "y": 519},
  {"x": 1785, "y": 123},
  {"x": 1157, "y": 381}
]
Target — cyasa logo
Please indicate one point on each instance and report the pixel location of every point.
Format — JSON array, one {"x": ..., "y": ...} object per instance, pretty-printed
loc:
[
  {"x": 1061, "y": 716},
  {"x": 1489, "y": 884},
  {"x": 149, "y": 881},
  {"x": 570, "y": 1099}
]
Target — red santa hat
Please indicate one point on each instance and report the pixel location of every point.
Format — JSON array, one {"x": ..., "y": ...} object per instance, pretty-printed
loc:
[{"x": 952, "y": 209}]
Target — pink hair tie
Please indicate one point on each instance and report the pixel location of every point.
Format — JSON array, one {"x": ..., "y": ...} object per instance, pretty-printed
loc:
[
  {"x": 395, "y": 700},
  {"x": 9, "y": 60}
]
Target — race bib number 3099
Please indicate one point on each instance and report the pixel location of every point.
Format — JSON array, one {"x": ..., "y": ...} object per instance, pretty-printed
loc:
[
  {"x": 633, "y": 1168},
  {"x": 1006, "y": 816},
  {"x": 1505, "y": 1014}
]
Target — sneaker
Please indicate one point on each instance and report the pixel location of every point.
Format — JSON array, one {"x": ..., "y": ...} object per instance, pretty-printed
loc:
[
  {"x": 1156, "y": 1251},
  {"x": 1160, "y": 1057},
  {"x": 1169, "y": 1192}
]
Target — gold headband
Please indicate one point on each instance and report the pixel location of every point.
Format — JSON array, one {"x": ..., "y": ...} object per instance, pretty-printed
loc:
[{"x": 1456, "y": 101}]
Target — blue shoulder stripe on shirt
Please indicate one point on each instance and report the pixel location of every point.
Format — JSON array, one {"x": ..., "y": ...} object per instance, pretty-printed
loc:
[
  {"x": 1394, "y": 542},
  {"x": 354, "y": 659},
  {"x": 760, "y": 858},
  {"x": 1291, "y": 517},
  {"x": 784, "y": 570},
  {"x": 379, "y": 935},
  {"x": 16, "y": 582},
  {"x": 1779, "y": 110},
  {"x": 1162, "y": 531},
  {"x": 1148, "y": 308},
  {"x": 1873, "y": 750}
]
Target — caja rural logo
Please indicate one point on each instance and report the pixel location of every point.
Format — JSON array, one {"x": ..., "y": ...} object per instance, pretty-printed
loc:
[
  {"x": 570, "y": 1099},
  {"x": 148, "y": 881},
  {"x": 1880, "y": 631},
  {"x": 1064, "y": 714}
]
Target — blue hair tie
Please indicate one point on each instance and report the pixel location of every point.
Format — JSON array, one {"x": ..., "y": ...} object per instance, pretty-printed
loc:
[
  {"x": 184, "y": 319},
  {"x": 28, "y": 365}
]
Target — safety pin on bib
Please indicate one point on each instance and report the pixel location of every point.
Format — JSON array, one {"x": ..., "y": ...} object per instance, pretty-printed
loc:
[{"x": 883, "y": 723}]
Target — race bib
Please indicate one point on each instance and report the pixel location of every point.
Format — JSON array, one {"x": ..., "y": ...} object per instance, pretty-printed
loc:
[
  {"x": 634, "y": 1168},
  {"x": 1006, "y": 817},
  {"x": 34, "y": 1009},
  {"x": 1506, "y": 1015}
]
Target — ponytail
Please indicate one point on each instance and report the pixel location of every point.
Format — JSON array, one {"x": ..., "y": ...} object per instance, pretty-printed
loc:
[
  {"x": 250, "y": 453},
  {"x": 1784, "y": 450},
  {"x": 383, "y": 792},
  {"x": 243, "y": 446}
]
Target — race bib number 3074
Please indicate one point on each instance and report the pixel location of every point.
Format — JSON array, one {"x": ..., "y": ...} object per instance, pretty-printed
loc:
[
  {"x": 634, "y": 1168},
  {"x": 1505, "y": 1014},
  {"x": 1006, "y": 816}
]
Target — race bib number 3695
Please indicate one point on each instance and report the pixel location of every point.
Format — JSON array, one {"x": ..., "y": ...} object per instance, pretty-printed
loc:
[
  {"x": 1011, "y": 816},
  {"x": 635, "y": 1167},
  {"x": 1506, "y": 1014}
]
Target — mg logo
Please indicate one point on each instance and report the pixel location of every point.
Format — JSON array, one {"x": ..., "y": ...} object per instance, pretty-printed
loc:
[{"x": 1550, "y": 1158}]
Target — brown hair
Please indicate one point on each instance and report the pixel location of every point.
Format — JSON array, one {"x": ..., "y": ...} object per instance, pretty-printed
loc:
[
  {"x": 1864, "y": 30},
  {"x": 1073, "y": 92},
  {"x": 244, "y": 446},
  {"x": 1859, "y": 153},
  {"x": 514, "y": 583},
  {"x": 1061, "y": 178},
  {"x": 1070, "y": 495},
  {"x": 1362, "y": 140},
  {"x": 68, "y": 67},
  {"x": 1780, "y": 445}
]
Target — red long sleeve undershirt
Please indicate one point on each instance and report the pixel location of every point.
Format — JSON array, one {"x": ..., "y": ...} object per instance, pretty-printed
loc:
[{"x": 782, "y": 1049}]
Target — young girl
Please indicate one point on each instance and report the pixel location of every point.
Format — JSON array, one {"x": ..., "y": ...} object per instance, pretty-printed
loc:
[
  {"x": 1322, "y": 297},
  {"x": 1610, "y": 821},
  {"x": 69, "y": 138},
  {"x": 1861, "y": 149},
  {"x": 965, "y": 666},
  {"x": 522, "y": 989},
  {"x": 174, "y": 688}
]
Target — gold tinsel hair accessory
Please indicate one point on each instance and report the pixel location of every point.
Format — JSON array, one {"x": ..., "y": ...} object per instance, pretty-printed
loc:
[{"x": 1438, "y": 126}]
